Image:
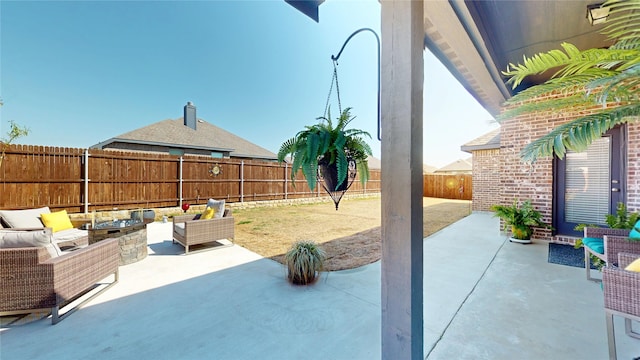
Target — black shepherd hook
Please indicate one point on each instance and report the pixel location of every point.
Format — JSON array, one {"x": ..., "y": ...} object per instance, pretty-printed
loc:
[{"x": 336, "y": 57}]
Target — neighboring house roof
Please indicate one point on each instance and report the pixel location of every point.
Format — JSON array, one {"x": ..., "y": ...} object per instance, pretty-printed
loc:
[
  {"x": 488, "y": 141},
  {"x": 428, "y": 169},
  {"x": 374, "y": 163},
  {"x": 174, "y": 133},
  {"x": 459, "y": 166}
]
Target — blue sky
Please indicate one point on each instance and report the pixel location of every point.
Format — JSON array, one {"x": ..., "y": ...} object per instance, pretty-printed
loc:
[{"x": 80, "y": 72}]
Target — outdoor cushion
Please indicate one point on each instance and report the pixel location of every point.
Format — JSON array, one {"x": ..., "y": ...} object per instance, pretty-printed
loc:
[
  {"x": 594, "y": 244},
  {"x": 179, "y": 228},
  {"x": 33, "y": 238},
  {"x": 207, "y": 214},
  {"x": 217, "y": 206},
  {"x": 24, "y": 218},
  {"x": 634, "y": 266},
  {"x": 58, "y": 220},
  {"x": 635, "y": 232},
  {"x": 69, "y": 235}
]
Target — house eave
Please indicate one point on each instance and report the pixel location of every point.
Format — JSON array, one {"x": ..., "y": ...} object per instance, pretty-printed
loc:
[
  {"x": 103, "y": 144},
  {"x": 470, "y": 149}
]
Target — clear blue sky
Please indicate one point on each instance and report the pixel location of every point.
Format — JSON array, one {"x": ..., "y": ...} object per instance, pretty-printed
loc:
[{"x": 80, "y": 72}]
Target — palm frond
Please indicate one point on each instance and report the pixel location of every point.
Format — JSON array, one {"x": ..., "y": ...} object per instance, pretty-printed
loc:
[
  {"x": 572, "y": 62},
  {"x": 551, "y": 104},
  {"x": 623, "y": 25},
  {"x": 578, "y": 134},
  {"x": 620, "y": 87},
  {"x": 566, "y": 85}
]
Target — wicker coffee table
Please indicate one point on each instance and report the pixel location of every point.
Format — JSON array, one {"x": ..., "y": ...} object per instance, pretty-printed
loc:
[{"x": 131, "y": 235}]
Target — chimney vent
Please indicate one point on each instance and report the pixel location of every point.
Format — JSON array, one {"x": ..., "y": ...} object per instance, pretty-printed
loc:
[{"x": 190, "y": 115}]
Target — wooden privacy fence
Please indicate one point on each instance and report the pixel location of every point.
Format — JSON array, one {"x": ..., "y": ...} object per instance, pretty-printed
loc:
[
  {"x": 83, "y": 180},
  {"x": 448, "y": 186}
]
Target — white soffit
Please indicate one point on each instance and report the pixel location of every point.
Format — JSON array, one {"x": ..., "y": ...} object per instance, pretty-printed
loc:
[{"x": 456, "y": 41}]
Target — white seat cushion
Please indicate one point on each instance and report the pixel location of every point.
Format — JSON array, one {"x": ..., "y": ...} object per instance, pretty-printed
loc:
[
  {"x": 69, "y": 235},
  {"x": 179, "y": 228}
]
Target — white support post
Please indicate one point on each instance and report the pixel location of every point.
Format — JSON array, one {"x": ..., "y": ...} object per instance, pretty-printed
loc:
[
  {"x": 180, "y": 182},
  {"x": 242, "y": 181},
  {"x": 86, "y": 181},
  {"x": 286, "y": 182},
  {"x": 402, "y": 238}
]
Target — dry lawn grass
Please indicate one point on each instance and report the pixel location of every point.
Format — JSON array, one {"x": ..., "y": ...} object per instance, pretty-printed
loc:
[{"x": 350, "y": 236}]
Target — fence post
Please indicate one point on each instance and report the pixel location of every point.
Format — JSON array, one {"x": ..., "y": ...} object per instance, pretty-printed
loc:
[
  {"x": 286, "y": 182},
  {"x": 180, "y": 182},
  {"x": 86, "y": 180},
  {"x": 242, "y": 181}
]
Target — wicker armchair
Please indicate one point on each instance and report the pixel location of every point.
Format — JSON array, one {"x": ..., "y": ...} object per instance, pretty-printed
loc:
[
  {"x": 31, "y": 280},
  {"x": 188, "y": 230},
  {"x": 621, "y": 290},
  {"x": 615, "y": 241}
]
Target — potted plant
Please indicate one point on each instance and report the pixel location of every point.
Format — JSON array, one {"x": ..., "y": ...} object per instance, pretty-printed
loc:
[
  {"x": 522, "y": 219},
  {"x": 328, "y": 151},
  {"x": 304, "y": 260}
]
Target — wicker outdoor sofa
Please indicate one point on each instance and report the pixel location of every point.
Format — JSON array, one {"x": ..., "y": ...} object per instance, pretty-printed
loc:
[
  {"x": 32, "y": 280},
  {"x": 621, "y": 297}
]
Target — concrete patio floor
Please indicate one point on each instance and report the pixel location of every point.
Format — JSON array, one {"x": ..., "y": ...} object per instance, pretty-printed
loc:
[{"x": 484, "y": 298}]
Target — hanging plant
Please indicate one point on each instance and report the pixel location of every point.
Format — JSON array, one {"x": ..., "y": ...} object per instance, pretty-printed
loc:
[{"x": 325, "y": 145}]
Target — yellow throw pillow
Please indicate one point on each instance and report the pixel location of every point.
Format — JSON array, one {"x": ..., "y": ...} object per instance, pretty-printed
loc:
[
  {"x": 207, "y": 214},
  {"x": 58, "y": 220},
  {"x": 634, "y": 266}
]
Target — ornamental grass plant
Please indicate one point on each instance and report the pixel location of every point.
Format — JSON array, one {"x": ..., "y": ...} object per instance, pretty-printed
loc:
[{"x": 304, "y": 260}]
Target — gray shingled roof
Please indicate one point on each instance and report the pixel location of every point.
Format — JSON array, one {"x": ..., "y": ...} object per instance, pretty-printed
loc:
[
  {"x": 488, "y": 141},
  {"x": 461, "y": 165},
  {"x": 207, "y": 136}
]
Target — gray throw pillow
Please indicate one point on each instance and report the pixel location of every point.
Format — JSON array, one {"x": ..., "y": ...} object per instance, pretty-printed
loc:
[
  {"x": 24, "y": 219},
  {"x": 217, "y": 206}
]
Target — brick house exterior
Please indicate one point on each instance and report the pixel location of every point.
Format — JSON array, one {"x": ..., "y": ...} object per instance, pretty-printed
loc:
[
  {"x": 485, "y": 152},
  {"x": 500, "y": 175}
]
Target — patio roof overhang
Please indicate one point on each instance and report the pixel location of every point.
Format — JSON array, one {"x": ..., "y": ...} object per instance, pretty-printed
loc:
[{"x": 476, "y": 40}]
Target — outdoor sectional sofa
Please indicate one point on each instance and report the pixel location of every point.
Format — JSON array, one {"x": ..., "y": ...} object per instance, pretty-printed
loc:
[
  {"x": 36, "y": 274},
  {"x": 32, "y": 280},
  {"x": 30, "y": 219}
]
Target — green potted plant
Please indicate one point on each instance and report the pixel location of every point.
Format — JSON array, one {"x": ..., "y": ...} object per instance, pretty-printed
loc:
[
  {"x": 522, "y": 219},
  {"x": 328, "y": 151},
  {"x": 304, "y": 261}
]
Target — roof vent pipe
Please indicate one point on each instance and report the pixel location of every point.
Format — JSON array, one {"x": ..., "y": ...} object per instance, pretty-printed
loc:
[{"x": 190, "y": 115}]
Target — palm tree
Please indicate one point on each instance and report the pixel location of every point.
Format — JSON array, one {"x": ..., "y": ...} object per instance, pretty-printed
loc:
[{"x": 609, "y": 77}]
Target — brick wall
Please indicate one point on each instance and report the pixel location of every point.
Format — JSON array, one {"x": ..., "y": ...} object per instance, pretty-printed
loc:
[
  {"x": 535, "y": 182},
  {"x": 486, "y": 178}
]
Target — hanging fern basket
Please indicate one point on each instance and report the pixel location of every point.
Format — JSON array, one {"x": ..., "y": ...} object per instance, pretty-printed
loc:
[{"x": 329, "y": 179}]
